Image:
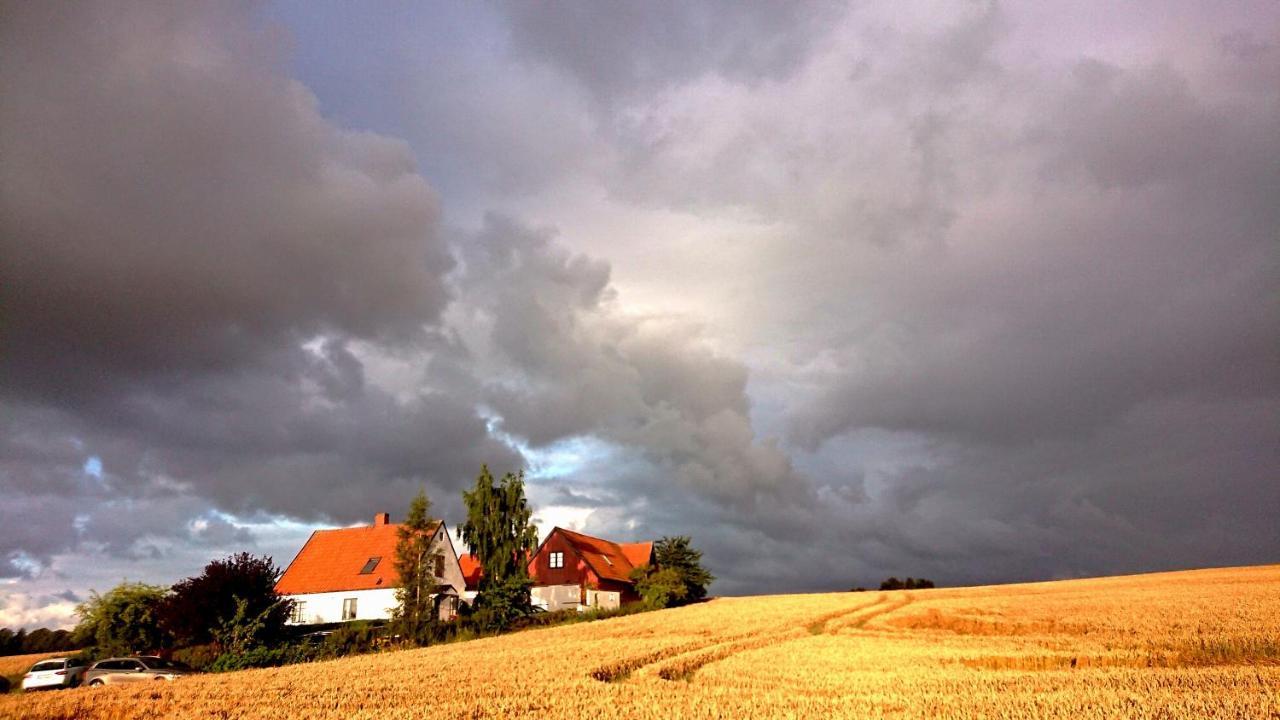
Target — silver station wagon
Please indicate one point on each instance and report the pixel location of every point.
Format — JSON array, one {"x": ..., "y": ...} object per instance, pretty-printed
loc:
[{"x": 114, "y": 671}]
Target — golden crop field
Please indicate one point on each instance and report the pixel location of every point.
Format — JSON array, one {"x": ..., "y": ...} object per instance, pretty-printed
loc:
[
  {"x": 1195, "y": 644},
  {"x": 11, "y": 665}
]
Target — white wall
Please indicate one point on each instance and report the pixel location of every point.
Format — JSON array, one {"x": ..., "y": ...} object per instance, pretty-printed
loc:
[
  {"x": 327, "y": 607},
  {"x": 378, "y": 604},
  {"x": 556, "y": 597},
  {"x": 604, "y": 599}
]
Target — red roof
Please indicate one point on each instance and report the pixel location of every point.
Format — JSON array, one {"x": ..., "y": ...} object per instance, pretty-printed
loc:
[
  {"x": 471, "y": 570},
  {"x": 331, "y": 561},
  {"x": 608, "y": 559},
  {"x": 640, "y": 553}
]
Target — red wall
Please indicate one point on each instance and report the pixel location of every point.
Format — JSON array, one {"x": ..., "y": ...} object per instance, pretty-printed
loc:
[{"x": 574, "y": 572}]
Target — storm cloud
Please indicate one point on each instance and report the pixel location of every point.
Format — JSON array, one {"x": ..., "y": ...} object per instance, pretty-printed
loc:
[{"x": 979, "y": 293}]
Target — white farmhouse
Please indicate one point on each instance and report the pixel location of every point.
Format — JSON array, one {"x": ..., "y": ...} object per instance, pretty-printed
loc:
[{"x": 349, "y": 574}]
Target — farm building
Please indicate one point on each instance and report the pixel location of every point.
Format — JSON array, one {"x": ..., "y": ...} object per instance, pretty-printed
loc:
[
  {"x": 349, "y": 574},
  {"x": 572, "y": 570}
]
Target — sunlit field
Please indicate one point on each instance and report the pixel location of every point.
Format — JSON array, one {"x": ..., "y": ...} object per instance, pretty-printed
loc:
[
  {"x": 14, "y": 667},
  {"x": 1189, "y": 644}
]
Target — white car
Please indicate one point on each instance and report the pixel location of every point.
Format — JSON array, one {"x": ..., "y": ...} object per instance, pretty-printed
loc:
[{"x": 54, "y": 673}]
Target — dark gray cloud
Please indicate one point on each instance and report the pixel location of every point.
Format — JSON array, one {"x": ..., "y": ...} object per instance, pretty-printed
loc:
[
  {"x": 173, "y": 203},
  {"x": 1001, "y": 281},
  {"x": 624, "y": 50},
  {"x": 194, "y": 260}
]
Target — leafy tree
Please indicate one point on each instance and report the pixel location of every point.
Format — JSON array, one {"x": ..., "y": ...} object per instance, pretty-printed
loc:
[
  {"x": 124, "y": 620},
  {"x": 416, "y": 615},
  {"x": 677, "y": 554},
  {"x": 10, "y": 644},
  {"x": 200, "y": 608},
  {"x": 660, "y": 587},
  {"x": 499, "y": 533},
  {"x": 242, "y": 631}
]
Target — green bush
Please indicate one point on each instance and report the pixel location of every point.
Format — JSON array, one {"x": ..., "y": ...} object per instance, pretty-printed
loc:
[
  {"x": 355, "y": 637},
  {"x": 200, "y": 657},
  {"x": 261, "y": 657}
]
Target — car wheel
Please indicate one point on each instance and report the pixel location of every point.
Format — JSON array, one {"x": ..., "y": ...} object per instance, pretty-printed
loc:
[{"x": 96, "y": 683}]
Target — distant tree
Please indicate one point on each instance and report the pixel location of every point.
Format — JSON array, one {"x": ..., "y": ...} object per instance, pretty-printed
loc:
[
  {"x": 499, "y": 532},
  {"x": 20, "y": 642},
  {"x": 416, "y": 615},
  {"x": 660, "y": 587},
  {"x": 200, "y": 608},
  {"x": 10, "y": 644},
  {"x": 124, "y": 620},
  {"x": 677, "y": 554},
  {"x": 893, "y": 583}
]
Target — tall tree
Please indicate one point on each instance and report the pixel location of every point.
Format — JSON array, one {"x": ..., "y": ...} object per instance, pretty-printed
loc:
[
  {"x": 677, "y": 553},
  {"x": 237, "y": 588},
  {"x": 499, "y": 532},
  {"x": 416, "y": 614},
  {"x": 123, "y": 620}
]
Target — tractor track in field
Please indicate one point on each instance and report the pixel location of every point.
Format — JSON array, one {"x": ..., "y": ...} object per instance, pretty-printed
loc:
[{"x": 680, "y": 662}]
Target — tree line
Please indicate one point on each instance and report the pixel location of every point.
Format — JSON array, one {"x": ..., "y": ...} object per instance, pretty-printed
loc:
[{"x": 40, "y": 640}]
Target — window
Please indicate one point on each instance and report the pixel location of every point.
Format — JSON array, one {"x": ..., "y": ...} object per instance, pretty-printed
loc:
[
  {"x": 557, "y": 559},
  {"x": 133, "y": 665},
  {"x": 439, "y": 566},
  {"x": 44, "y": 666},
  {"x": 349, "y": 609},
  {"x": 369, "y": 565},
  {"x": 299, "y": 614}
]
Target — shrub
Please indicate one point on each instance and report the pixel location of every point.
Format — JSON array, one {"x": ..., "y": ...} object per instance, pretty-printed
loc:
[
  {"x": 261, "y": 657},
  {"x": 660, "y": 588},
  {"x": 355, "y": 637},
  {"x": 199, "y": 657}
]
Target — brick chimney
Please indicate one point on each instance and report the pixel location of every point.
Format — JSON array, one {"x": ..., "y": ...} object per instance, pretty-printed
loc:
[{"x": 381, "y": 519}]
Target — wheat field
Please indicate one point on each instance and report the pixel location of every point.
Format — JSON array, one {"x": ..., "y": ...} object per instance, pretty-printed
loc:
[{"x": 1194, "y": 644}]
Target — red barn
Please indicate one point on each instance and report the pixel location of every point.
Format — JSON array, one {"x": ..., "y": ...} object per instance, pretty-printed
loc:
[{"x": 574, "y": 570}]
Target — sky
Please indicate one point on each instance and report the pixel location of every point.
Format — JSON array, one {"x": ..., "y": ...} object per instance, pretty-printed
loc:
[{"x": 978, "y": 292}]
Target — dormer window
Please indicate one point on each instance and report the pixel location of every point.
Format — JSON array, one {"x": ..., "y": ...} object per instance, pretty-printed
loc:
[
  {"x": 557, "y": 560},
  {"x": 370, "y": 564}
]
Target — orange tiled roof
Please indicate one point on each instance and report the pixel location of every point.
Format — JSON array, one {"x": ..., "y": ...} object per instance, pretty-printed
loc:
[
  {"x": 609, "y": 559},
  {"x": 331, "y": 561},
  {"x": 640, "y": 553},
  {"x": 471, "y": 570}
]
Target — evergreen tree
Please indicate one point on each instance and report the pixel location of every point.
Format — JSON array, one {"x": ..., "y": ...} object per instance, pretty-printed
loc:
[
  {"x": 499, "y": 533},
  {"x": 416, "y": 615},
  {"x": 676, "y": 553}
]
